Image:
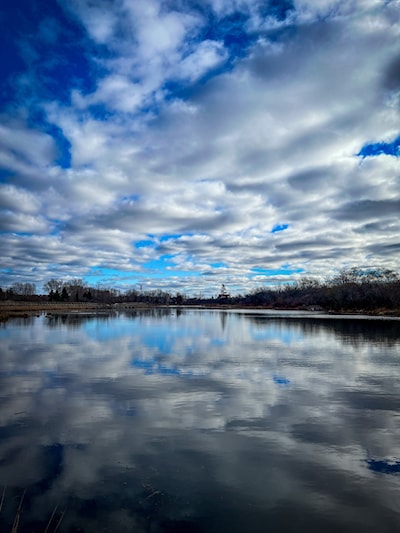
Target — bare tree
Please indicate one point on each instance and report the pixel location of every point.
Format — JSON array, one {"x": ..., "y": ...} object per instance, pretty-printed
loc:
[
  {"x": 76, "y": 288},
  {"x": 23, "y": 289},
  {"x": 53, "y": 285}
]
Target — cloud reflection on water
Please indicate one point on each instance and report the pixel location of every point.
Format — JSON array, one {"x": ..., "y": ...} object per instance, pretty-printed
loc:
[{"x": 235, "y": 423}]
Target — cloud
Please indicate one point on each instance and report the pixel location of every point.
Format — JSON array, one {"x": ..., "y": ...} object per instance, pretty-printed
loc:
[
  {"x": 208, "y": 55},
  {"x": 99, "y": 19},
  {"x": 22, "y": 145},
  {"x": 392, "y": 75},
  {"x": 176, "y": 130},
  {"x": 370, "y": 209},
  {"x": 13, "y": 198},
  {"x": 22, "y": 223}
]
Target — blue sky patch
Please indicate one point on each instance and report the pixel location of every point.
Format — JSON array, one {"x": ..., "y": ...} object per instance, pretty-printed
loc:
[
  {"x": 144, "y": 244},
  {"x": 174, "y": 236},
  {"x": 5, "y": 174},
  {"x": 279, "y": 227},
  {"x": 280, "y": 380},
  {"x": 276, "y": 272},
  {"x": 218, "y": 264},
  {"x": 63, "y": 145},
  {"x": 43, "y": 26},
  {"x": 163, "y": 267},
  {"x": 382, "y": 148},
  {"x": 100, "y": 274},
  {"x": 232, "y": 31},
  {"x": 131, "y": 198},
  {"x": 20, "y": 233},
  {"x": 278, "y": 9}
]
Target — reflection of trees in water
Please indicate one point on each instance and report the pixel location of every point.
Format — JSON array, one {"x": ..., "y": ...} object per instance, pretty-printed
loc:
[
  {"x": 27, "y": 320},
  {"x": 349, "y": 331},
  {"x": 356, "y": 332},
  {"x": 153, "y": 312},
  {"x": 75, "y": 320},
  {"x": 157, "y": 313}
]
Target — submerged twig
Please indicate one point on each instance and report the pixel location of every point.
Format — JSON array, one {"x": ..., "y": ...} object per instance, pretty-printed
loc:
[
  {"x": 59, "y": 522},
  {"x": 2, "y": 498},
  {"x": 18, "y": 514},
  {"x": 155, "y": 493},
  {"x": 51, "y": 518}
]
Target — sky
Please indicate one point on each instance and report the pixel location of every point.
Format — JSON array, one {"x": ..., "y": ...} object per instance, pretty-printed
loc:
[{"x": 180, "y": 144}]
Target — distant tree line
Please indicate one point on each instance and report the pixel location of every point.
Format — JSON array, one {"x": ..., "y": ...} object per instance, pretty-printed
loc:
[
  {"x": 19, "y": 291},
  {"x": 351, "y": 289},
  {"x": 77, "y": 290}
]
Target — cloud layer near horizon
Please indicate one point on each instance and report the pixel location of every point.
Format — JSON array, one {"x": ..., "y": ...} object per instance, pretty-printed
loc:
[{"x": 182, "y": 144}]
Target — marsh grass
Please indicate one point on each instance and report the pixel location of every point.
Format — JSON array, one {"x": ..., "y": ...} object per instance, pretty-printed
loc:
[
  {"x": 52, "y": 525},
  {"x": 10, "y": 310}
]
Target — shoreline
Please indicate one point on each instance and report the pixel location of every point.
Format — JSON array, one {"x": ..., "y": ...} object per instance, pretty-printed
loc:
[{"x": 13, "y": 309}]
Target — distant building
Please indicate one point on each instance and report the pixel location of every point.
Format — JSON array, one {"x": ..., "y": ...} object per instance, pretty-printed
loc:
[{"x": 223, "y": 294}]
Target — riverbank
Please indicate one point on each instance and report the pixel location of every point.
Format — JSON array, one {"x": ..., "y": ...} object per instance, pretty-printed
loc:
[{"x": 12, "y": 309}]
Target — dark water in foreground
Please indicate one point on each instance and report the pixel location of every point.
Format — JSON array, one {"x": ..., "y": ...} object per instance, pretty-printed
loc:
[{"x": 200, "y": 421}]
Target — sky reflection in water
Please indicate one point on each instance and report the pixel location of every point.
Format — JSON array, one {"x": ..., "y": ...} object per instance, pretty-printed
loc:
[{"x": 200, "y": 421}]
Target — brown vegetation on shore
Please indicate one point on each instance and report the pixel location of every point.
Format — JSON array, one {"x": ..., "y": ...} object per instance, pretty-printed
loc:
[{"x": 11, "y": 309}]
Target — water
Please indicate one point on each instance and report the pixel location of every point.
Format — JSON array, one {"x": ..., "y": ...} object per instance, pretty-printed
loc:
[{"x": 200, "y": 421}]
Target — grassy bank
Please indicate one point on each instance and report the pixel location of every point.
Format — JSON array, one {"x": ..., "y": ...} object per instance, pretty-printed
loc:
[{"x": 11, "y": 309}]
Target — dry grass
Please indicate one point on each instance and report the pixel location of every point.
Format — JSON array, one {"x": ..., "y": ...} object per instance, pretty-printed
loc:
[
  {"x": 10, "y": 309},
  {"x": 26, "y": 309},
  {"x": 52, "y": 525}
]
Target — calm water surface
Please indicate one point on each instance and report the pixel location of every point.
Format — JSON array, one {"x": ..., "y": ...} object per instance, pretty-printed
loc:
[{"x": 200, "y": 421}]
